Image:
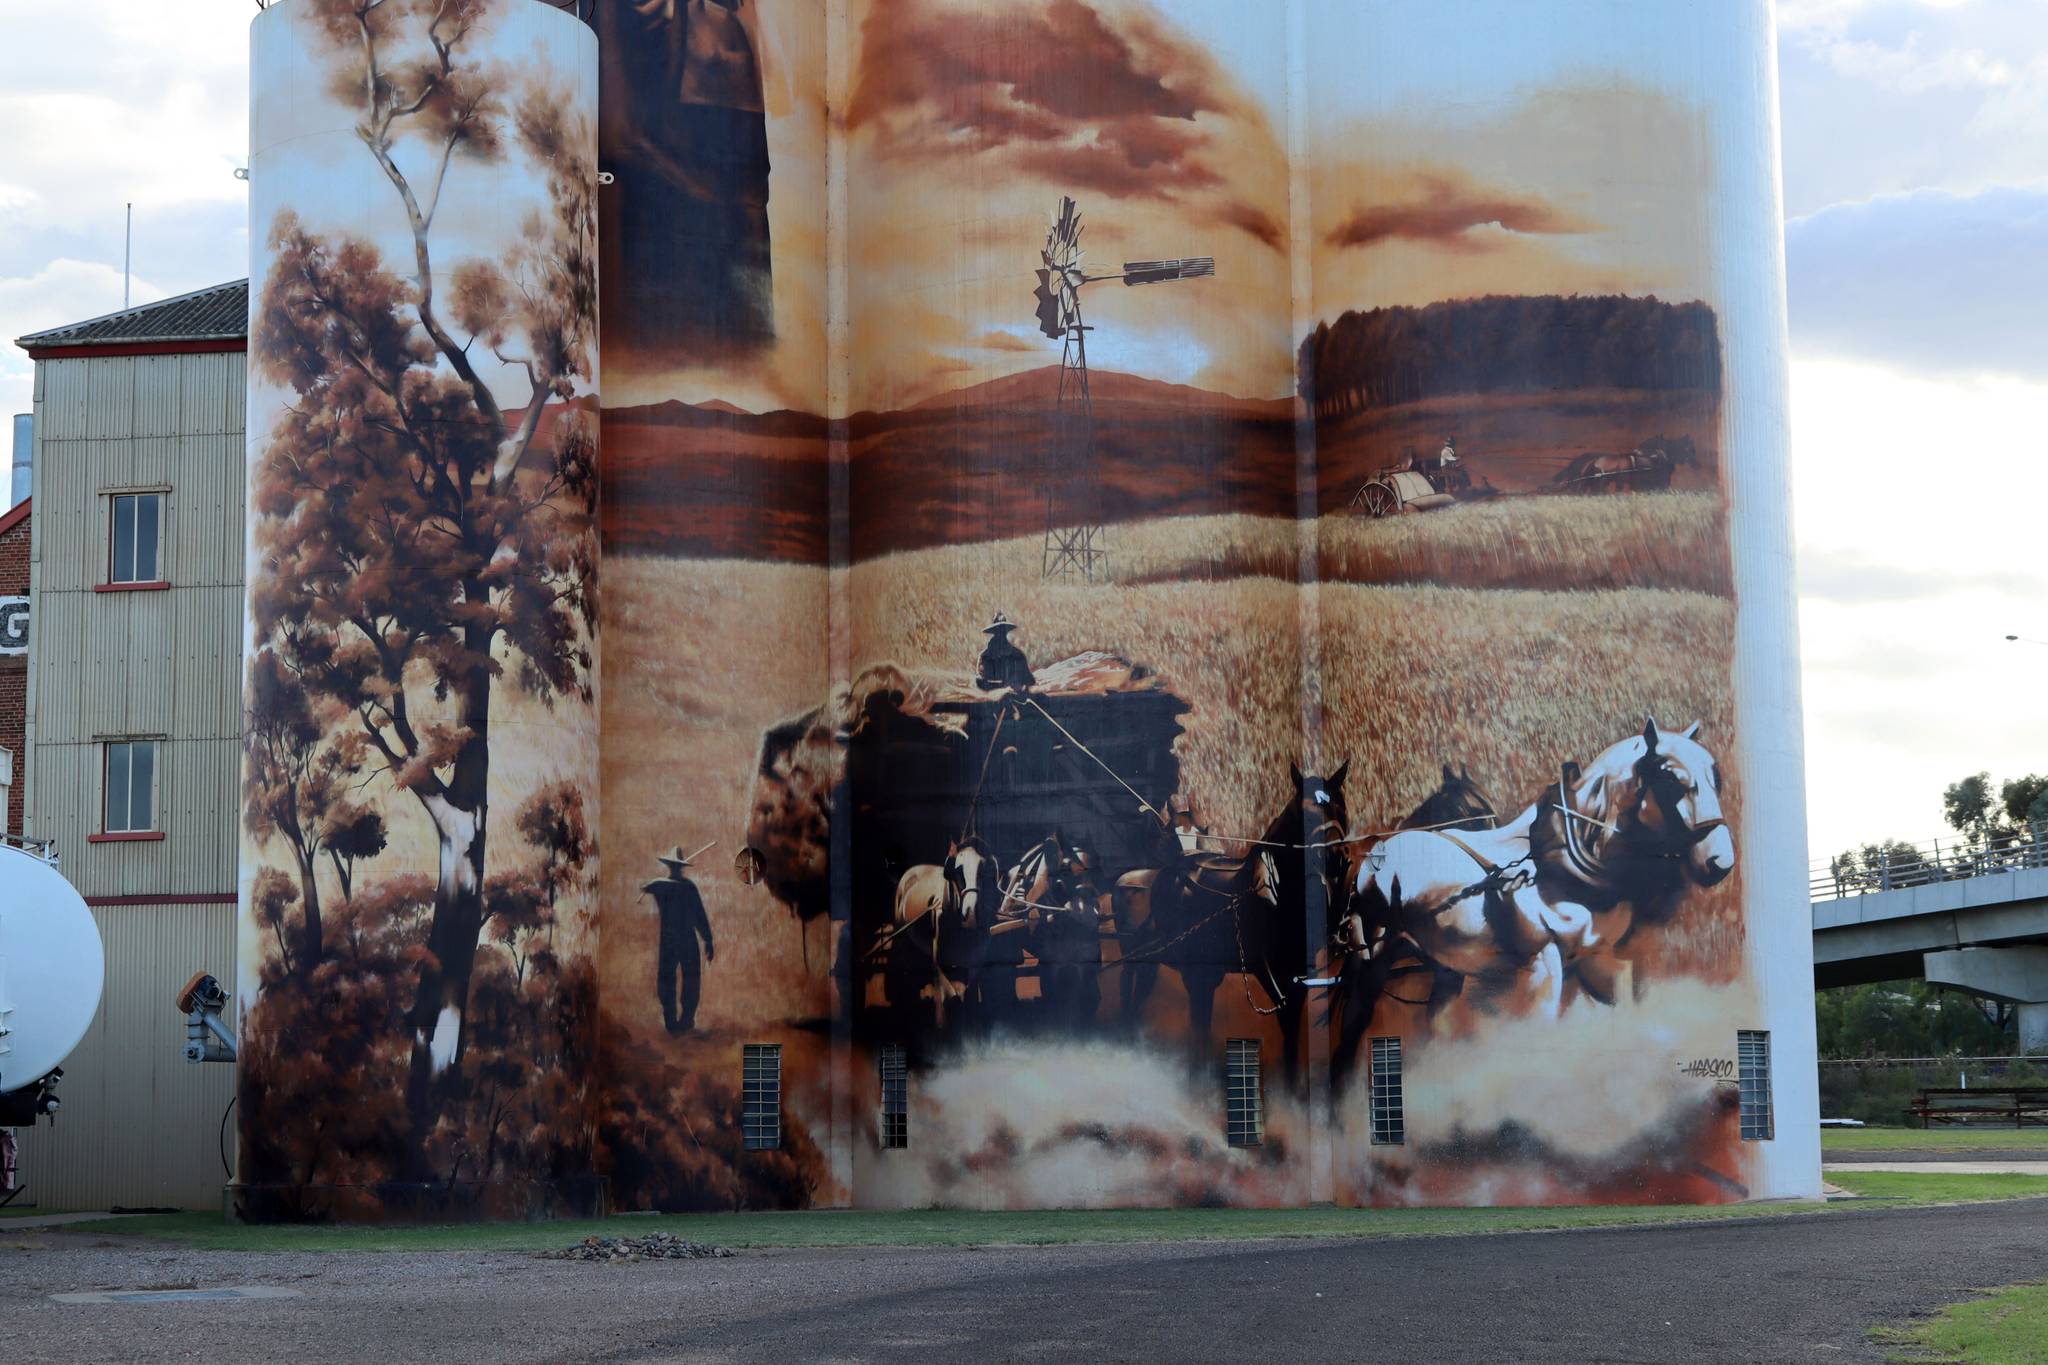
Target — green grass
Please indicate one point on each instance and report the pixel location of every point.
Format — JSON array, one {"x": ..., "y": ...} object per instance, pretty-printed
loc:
[
  {"x": 961, "y": 1228},
  {"x": 1934, "y": 1187},
  {"x": 2006, "y": 1327},
  {"x": 1935, "y": 1140}
]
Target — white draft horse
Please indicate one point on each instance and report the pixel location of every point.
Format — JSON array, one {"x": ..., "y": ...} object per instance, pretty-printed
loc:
[
  {"x": 945, "y": 911},
  {"x": 1521, "y": 911}
]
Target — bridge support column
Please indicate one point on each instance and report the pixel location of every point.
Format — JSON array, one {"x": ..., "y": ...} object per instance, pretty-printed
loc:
[
  {"x": 2033, "y": 1030},
  {"x": 2018, "y": 976}
]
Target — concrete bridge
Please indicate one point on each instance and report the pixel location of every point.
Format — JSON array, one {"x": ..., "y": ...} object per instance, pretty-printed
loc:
[{"x": 1971, "y": 919}]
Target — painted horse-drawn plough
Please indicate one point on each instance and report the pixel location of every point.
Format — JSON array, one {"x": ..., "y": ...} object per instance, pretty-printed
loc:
[{"x": 1419, "y": 483}]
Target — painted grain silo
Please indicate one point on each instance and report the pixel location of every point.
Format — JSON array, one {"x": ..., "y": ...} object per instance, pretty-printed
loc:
[
  {"x": 1196, "y": 611},
  {"x": 419, "y": 912}
]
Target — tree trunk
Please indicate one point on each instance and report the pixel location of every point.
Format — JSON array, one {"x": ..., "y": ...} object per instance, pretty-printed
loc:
[
  {"x": 309, "y": 894},
  {"x": 459, "y": 814}
]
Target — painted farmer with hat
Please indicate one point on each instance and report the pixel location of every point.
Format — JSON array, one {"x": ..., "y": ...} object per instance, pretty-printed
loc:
[
  {"x": 1003, "y": 665},
  {"x": 683, "y": 921}
]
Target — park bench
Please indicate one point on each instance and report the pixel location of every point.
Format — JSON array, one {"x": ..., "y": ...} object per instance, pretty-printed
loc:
[{"x": 2002, "y": 1106}]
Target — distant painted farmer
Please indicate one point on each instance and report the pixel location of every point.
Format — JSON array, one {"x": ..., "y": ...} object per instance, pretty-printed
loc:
[
  {"x": 1447, "y": 457},
  {"x": 683, "y": 922},
  {"x": 1003, "y": 665}
]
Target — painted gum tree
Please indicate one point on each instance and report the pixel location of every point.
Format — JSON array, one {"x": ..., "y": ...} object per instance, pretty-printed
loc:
[{"x": 425, "y": 525}]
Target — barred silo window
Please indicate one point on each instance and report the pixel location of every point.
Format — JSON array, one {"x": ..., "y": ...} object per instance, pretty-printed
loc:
[
  {"x": 895, "y": 1066},
  {"x": 1753, "y": 1074},
  {"x": 761, "y": 1097},
  {"x": 1389, "y": 1124},
  {"x": 1244, "y": 1095}
]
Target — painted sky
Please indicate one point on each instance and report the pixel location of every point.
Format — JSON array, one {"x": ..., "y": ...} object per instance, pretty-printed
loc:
[{"x": 1915, "y": 187}]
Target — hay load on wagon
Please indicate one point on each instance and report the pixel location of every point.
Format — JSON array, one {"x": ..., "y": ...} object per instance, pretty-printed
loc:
[{"x": 1061, "y": 783}]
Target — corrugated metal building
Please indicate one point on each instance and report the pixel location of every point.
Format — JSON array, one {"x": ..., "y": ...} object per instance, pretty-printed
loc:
[{"x": 133, "y": 734}]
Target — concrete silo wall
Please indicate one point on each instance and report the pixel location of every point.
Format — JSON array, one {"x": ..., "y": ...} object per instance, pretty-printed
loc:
[
  {"x": 419, "y": 931},
  {"x": 1074, "y": 782},
  {"x": 1548, "y": 239}
]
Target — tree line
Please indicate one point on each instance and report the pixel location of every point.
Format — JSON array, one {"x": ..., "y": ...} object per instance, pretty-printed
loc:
[
  {"x": 1990, "y": 821},
  {"x": 1507, "y": 344}
]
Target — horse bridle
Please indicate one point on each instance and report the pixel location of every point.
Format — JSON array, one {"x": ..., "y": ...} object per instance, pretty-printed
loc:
[{"x": 1657, "y": 783}]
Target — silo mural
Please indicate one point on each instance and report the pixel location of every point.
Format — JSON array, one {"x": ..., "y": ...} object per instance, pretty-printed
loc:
[
  {"x": 719, "y": 621},
  {"x": 1517, "y": 377},
  {"x": 419, "y": 927},
  {"x": 1171, "y": 608}
]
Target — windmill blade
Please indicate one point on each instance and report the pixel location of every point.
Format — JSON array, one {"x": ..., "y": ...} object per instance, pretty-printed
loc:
[
  {"x": 1158, "y": 272},
  {"x": 1048, "y": 296},
  {"x": 1069, "y": 226}
]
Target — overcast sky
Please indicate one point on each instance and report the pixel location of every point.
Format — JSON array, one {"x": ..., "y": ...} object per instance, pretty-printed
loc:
[{"x": 1916, "y": 189}]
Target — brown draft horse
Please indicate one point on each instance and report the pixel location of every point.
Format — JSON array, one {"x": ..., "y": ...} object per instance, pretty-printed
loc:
[
  {"x": 1646, "y": 469},
  {"x": 1262, "y": 917}
]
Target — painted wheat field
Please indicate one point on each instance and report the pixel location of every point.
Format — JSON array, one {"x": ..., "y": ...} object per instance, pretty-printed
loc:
[
  {"x": 1422, "y": 644},
  {"x": 1412, "y": 674}
]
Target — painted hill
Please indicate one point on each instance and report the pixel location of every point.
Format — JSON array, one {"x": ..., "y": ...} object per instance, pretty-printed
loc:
[{"x": 1040, "y": 387}]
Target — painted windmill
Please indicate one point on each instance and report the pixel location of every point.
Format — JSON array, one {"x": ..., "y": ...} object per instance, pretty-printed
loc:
[{"x": 1073, "y": 541}]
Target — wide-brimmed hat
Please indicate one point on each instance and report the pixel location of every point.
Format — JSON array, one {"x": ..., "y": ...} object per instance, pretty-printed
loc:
[
  {"x": 674, "y": 858},
  {"x": 999, "y": 625}
]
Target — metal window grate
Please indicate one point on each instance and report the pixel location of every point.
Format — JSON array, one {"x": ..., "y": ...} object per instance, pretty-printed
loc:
[
  {"x": 1244, "y": 1094},
  {"x": 1753, "y": 1072},
  {"x": 895, "y": 1068},
  {"x": 1389, "y": 1123},
  {"x": 761, "y": 1105}
]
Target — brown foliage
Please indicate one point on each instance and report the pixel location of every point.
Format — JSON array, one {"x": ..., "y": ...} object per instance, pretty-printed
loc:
[
  {"x": 325, "y": 1053},
  {"x": 671, "y": 1139}
]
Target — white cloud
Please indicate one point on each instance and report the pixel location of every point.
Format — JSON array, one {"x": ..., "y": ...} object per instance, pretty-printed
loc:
[
  {"x": 1930, "y": 280},
  {"x": 106, "y": 103},
  {"x": 1911, "y": 69},
  {"x": 1882, "y": 96},
  {"x": 1831, "y": 16},
  {"x": 1917, "y": 509}
]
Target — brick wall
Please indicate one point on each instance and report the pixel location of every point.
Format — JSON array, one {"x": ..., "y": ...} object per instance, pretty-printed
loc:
[{"x": 14, "y": 548}]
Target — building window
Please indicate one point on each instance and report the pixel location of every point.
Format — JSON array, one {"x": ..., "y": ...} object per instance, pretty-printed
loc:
[
  {"x": 130, "y": 787},
  {"x": 761, "y": 1098},
  {"x": 1244, "y": 1095},
  {"x": 1753, "y": 1073},
  {"x": 895, "y": 1067},
  {"x": 1389, "y": 1124},
  {"x": 137, "y": 552}
]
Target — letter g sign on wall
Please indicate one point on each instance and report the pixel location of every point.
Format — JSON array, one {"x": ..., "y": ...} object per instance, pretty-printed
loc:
[{"x": 13, "y": 625}]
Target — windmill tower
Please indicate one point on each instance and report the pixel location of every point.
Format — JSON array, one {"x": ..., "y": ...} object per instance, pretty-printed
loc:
[{"x": 1073, "y": 500}]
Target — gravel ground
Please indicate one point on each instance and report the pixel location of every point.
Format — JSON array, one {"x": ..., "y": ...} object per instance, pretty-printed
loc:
[{"x": 1789, "y": 1288}]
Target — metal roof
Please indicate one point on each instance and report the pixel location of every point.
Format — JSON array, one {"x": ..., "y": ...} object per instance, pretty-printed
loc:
[{"x": 218, "y": 313}]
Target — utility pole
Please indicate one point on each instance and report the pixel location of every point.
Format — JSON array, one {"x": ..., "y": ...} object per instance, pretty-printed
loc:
[{"x": 127, "y": 255}]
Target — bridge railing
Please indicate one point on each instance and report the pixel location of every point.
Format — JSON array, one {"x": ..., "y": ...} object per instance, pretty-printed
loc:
[{"x": 1894, "y": 866}]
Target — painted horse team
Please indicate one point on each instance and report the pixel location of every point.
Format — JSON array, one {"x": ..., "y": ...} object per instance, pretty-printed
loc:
[{"x": 1461, "y": 909}]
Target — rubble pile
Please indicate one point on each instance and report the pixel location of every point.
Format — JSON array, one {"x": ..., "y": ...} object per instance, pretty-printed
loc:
[{"x": 656, "y": 1246}]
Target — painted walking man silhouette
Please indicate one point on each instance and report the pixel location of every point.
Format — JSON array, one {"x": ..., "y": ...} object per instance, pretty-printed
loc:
[{"x": 683, "y": 921}]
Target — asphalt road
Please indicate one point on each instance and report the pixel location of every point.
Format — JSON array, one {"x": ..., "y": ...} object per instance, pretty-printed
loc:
[{"x": 1789, "y": 1288}]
